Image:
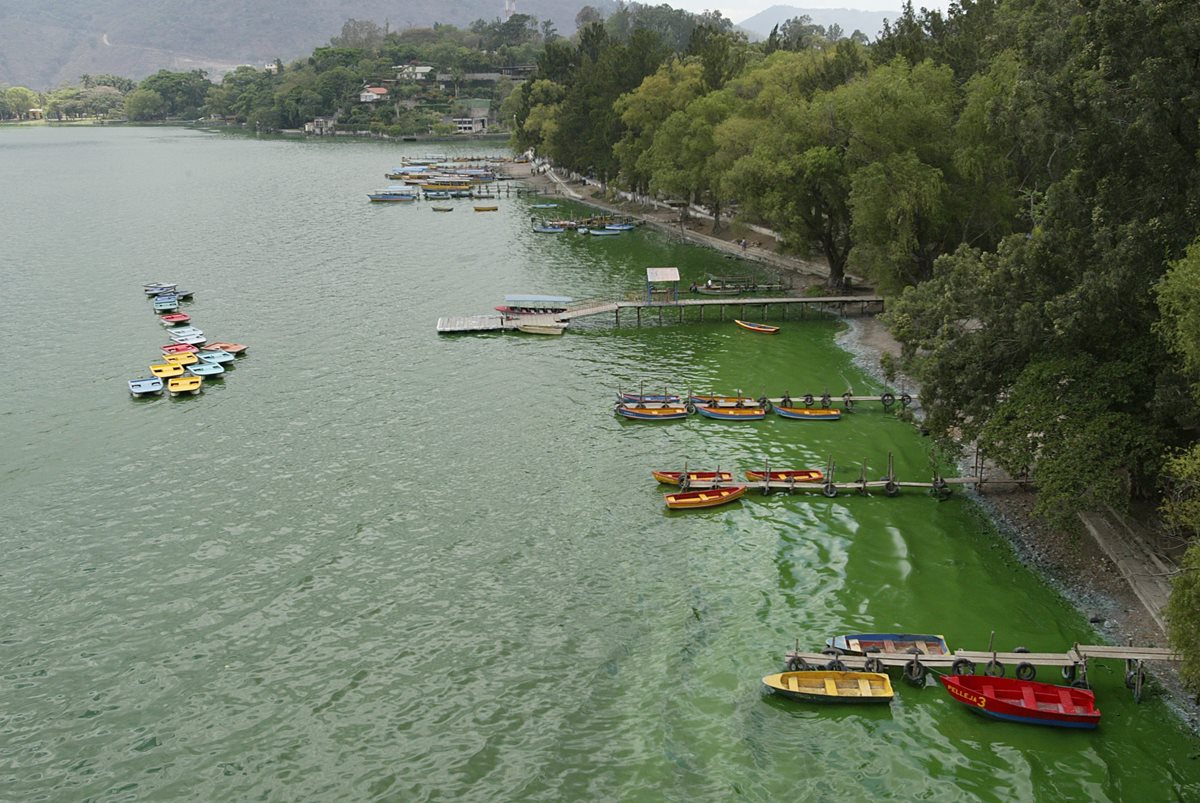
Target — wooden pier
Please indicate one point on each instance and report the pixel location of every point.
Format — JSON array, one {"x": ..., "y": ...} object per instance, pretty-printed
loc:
[
  {"x": 671, "y": 309},
  {"x": 492, "y": 323},
  {"x": 1072, "y": 664}
]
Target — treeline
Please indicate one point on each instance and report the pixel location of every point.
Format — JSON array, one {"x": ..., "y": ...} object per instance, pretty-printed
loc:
[{"x": 1020, "y": 177}]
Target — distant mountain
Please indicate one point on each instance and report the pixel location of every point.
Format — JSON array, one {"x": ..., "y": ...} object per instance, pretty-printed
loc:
[
  {"x": 49, "y": 42},
  {"x": 869, "y": 22}
]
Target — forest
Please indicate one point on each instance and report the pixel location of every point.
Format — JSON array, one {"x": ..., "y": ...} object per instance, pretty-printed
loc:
[{"x": 1020, "y": 178}]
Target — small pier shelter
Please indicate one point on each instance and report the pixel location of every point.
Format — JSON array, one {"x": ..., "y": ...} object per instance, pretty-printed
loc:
[{"x": 663, "y": 282}]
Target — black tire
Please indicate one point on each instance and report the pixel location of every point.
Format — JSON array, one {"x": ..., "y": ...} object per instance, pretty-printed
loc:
[
  {"x": 835, "y": 665},
  {"x": 1068, "y": 672},
  {"x": 1026, "y": 671},
  {"x": 797, "y": 664},
  {"x": 1079, "y": 683},
  {"x": 874, "y": 665},
  {"x": 994, "y": 669},
  {"x": 808, "y": 399},
  {"x": 832, "y": 652},
  {"x": 830, "y": 490},
  {"x": 887, "y": 399},
  {"x": 891, "y": 489},
  {"x": 962, "y": 666},
  {"x": 915, "y": 672},
  {"x": 1130, "y": 679},
  {"x": 905, "y": 400},
  {"x": 1021, "y": 650},
  {"x": 847, "y": 401},
  {"x": 691, "y": 408}
]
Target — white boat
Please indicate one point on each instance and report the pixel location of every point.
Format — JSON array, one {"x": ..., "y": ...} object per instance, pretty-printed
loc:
[{"x": 556, "y": 328}]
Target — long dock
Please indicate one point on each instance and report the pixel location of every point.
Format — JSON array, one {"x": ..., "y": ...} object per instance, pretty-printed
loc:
[{"x": 493, "y": 323}]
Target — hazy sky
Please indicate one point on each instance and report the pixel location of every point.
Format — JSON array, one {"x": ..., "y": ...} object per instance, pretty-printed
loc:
[{"x": 738, "y": 10}]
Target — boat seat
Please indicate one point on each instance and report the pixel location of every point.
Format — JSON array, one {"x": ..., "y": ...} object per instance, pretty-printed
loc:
[
  {"x": 989, "y": 690},
  {"x": 1028, "y": 698},
  {"x": 830, "y": 687},
  {"x": 864, "y": 687},
  {"x": 793, "y": 683},
  {"x": 1068, "y": 705}
]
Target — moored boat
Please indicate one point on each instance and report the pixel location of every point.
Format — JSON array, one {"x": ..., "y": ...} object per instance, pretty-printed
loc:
[
  {"x": 693, "y": 500},
  {"x": 149, "y": 386},
  {"x": 236, "y": 349},
  {"x": 543, "y": 206},
  {"x": 215, "y": 356},
  {"x": 169, "y": 305},
  {"x": 648, "y": 398},
  {"x": 672, "y": 477},
  {"x": 184, "y": 384},
  {"x": 726, "y": 401},
  {"x": 166, "y": 370},
  {"x": 718, "y": 291},
  {"x": 549, "y": 229},
  {"x": 185, "y": 358},
  {"x": 442, "y": 208},
  {"x": 209, "y": 369},
  {"x": 787, "y": 475},
  {"x": 831, "y": 687},
  {"x": 861, "y": 643},
  {"x": 393, "y": 195},
  {"x": 183, "y": 295},
  {"x": 191, "y": 340},
  {"x": 619, "y": 227},
  {"x": 178, "y": 348},
  {"x": 1026, "y": 701},
  {"x": 808, "y": 413},
  {"x": 732, "y": 413},
  {"x": 156, "y": 288},
  {"x": 761, "y": 328},
  {"x": 533, "y": 305},
  {"x": 640, "y": 413},
  {"x": 174, "y": 318},
  {"x": 600, "y": 232},
  {"x": 486, "y": 208}
]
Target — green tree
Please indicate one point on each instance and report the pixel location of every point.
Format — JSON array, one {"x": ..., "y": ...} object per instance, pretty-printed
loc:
[
  {"x": 145, "y": 104},
  {"x": 669, "y": 89},
  {"x": 1178, "y": 296},
  {"x": 20, "y": 100}
]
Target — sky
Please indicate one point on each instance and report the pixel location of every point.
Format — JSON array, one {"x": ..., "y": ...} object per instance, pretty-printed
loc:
[{"x": 738, "y": 10}]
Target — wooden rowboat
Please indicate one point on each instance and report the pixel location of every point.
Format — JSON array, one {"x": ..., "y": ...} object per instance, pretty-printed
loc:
[
  {"x": 486, "y": 208},
  {"x": 785, "y": 475},
  {"x": 648, "y": 398},
  {"x": 672, "y": 477},
  {"x": 664, "y": 413},
  {"x": 1024, "y": 701},
  {"x": 732, "y": 413},
  {"x": 808, "y": 413},
  {"x": 726, "y": 401},
  {"x": 542, "y": 328},
  {"x": 442, "y": 208},
  {"x": 831, "y": 687},
  {"x": 861, "y": 643},
  {"x": 689, "y": 500},
  {"x": 761, "y": 328}
]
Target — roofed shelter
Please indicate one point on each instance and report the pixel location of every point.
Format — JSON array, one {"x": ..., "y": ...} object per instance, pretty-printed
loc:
[{"x": 669, "y": 278}]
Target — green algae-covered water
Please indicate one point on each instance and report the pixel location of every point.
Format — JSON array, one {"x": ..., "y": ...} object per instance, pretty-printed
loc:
[{"x": 378, "y": 564}]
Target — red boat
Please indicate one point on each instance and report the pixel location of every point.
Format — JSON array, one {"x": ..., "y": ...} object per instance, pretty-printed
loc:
[
  {"x": 796, "y": 474},
  {"x": 175, "y": 318},
  {"x": 179, "y": 348},
  {"x": 672, "y": 477},
  {"x": 1024, "y": 700}
]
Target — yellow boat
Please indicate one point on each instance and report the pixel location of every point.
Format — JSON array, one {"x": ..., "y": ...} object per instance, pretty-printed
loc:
[
  {"x": 166, "y": 370},
  {"x": 184, "y": 384},
  {"x": 183, "y": 358},
  {"x": 692, "y": 500},
  {"x": 831, "y": 687},
  {"x": 486, "y": 208}
]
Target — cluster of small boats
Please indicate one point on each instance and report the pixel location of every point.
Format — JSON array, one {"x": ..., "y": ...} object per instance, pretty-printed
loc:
[
  {"x": 991, "y": 695},
  {"x": 685, "y": 499},
  {"x": 189, "y": 358},
  {"x": 437, "y": 178},
  {"x": 598, "y": 226},
  {"x": 671, "y": 407}
]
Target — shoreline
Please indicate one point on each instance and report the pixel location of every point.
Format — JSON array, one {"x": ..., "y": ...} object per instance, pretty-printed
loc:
[{"x": 1073, "y": 564}]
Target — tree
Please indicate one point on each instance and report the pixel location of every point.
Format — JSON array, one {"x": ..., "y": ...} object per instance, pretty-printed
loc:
[
  {"x": 182, "y": 93},
  {"x": 20, "y": 100},
  {"x": 1181, "y": 513},
  {"x": 145, "y": 104},
  {"x": 361, "y": 35},
  {"x": 1178, "y": 296},
  {"x": 670, "y": 89},
  {"x": 684, "y": 159}
]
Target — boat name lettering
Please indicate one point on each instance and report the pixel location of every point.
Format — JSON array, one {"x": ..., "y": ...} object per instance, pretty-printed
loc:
[{"x": 967, "y": 697}]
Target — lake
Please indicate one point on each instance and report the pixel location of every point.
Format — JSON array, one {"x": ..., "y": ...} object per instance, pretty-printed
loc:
[{"x": 375, "y": 563}]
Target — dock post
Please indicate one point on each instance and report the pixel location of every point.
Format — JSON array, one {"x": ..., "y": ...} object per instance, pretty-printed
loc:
[{"x": 639, "y": 316}]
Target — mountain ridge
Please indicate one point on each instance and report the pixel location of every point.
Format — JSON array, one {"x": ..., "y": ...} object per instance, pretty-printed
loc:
[{"x": 850, "y": 19}]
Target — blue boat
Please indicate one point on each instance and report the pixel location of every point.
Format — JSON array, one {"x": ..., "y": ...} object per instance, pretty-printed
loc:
[
  {"x": 600, "y": 232},
  {"x": 544, "y": 206},
  {"x": 393, "y": 194},
  {"x": 652, "y": 413},
  {"x": 183, "y": 295},
  {"x": 648, "y": 398},
  {"x": 619, "y": 227},
  {"x": 808, "y": 413},
  {"x": 205, "y": 368},
  {"x": 150, "y": 386},
  {"x": 549, "y": 229},
  {"x": 168, "y": 305},
  {"x": 861, "y": 643},
  {"x": 166, "y": 297},
  {"x": 154, "y": 288},
  {"x": 215, "y": 356}
]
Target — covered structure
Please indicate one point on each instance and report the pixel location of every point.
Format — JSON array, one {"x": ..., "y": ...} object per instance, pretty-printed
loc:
[{"x": 664, "y": 283}]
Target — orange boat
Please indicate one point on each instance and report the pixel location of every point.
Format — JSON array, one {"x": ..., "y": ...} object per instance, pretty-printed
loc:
[
  {"x": 788, "y": 475},
  {"x": 688, "y": 500},
  {"x": 672, "y": 477},
  {"x": 761, "y": 328}
]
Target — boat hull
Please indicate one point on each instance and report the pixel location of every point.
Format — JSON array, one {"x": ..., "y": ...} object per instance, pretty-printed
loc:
[
  {"x": 808, "y": 413},
  {"x": 1024, "y": 701},
  {"x": 652, "y": 413},
  {"x": 542, "y": 328},
  {"x": 861, "y": 643},
  {"x": 725, "y": 401},
  {"x": 760, "y": 328},
  {"x": 831, "y": 687},
  {"x": 649, "y": 398},
  {"x": 672, "y": 477},
  {"x": 732, "y": 413},
  {"x": 786, "y": 475},
  {"x": 694, "y": 500}
]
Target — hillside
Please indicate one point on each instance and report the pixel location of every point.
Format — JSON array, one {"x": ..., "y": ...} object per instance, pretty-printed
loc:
[
  {"x": 47, "y": 43},
  {"x": 869, "y": 22}
]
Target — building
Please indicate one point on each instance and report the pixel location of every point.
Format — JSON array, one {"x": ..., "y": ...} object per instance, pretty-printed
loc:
[
  {"x": 413, "y": 72},
  {"x": 320, "y": 126},
  {"x": 371, "y": 94}
]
